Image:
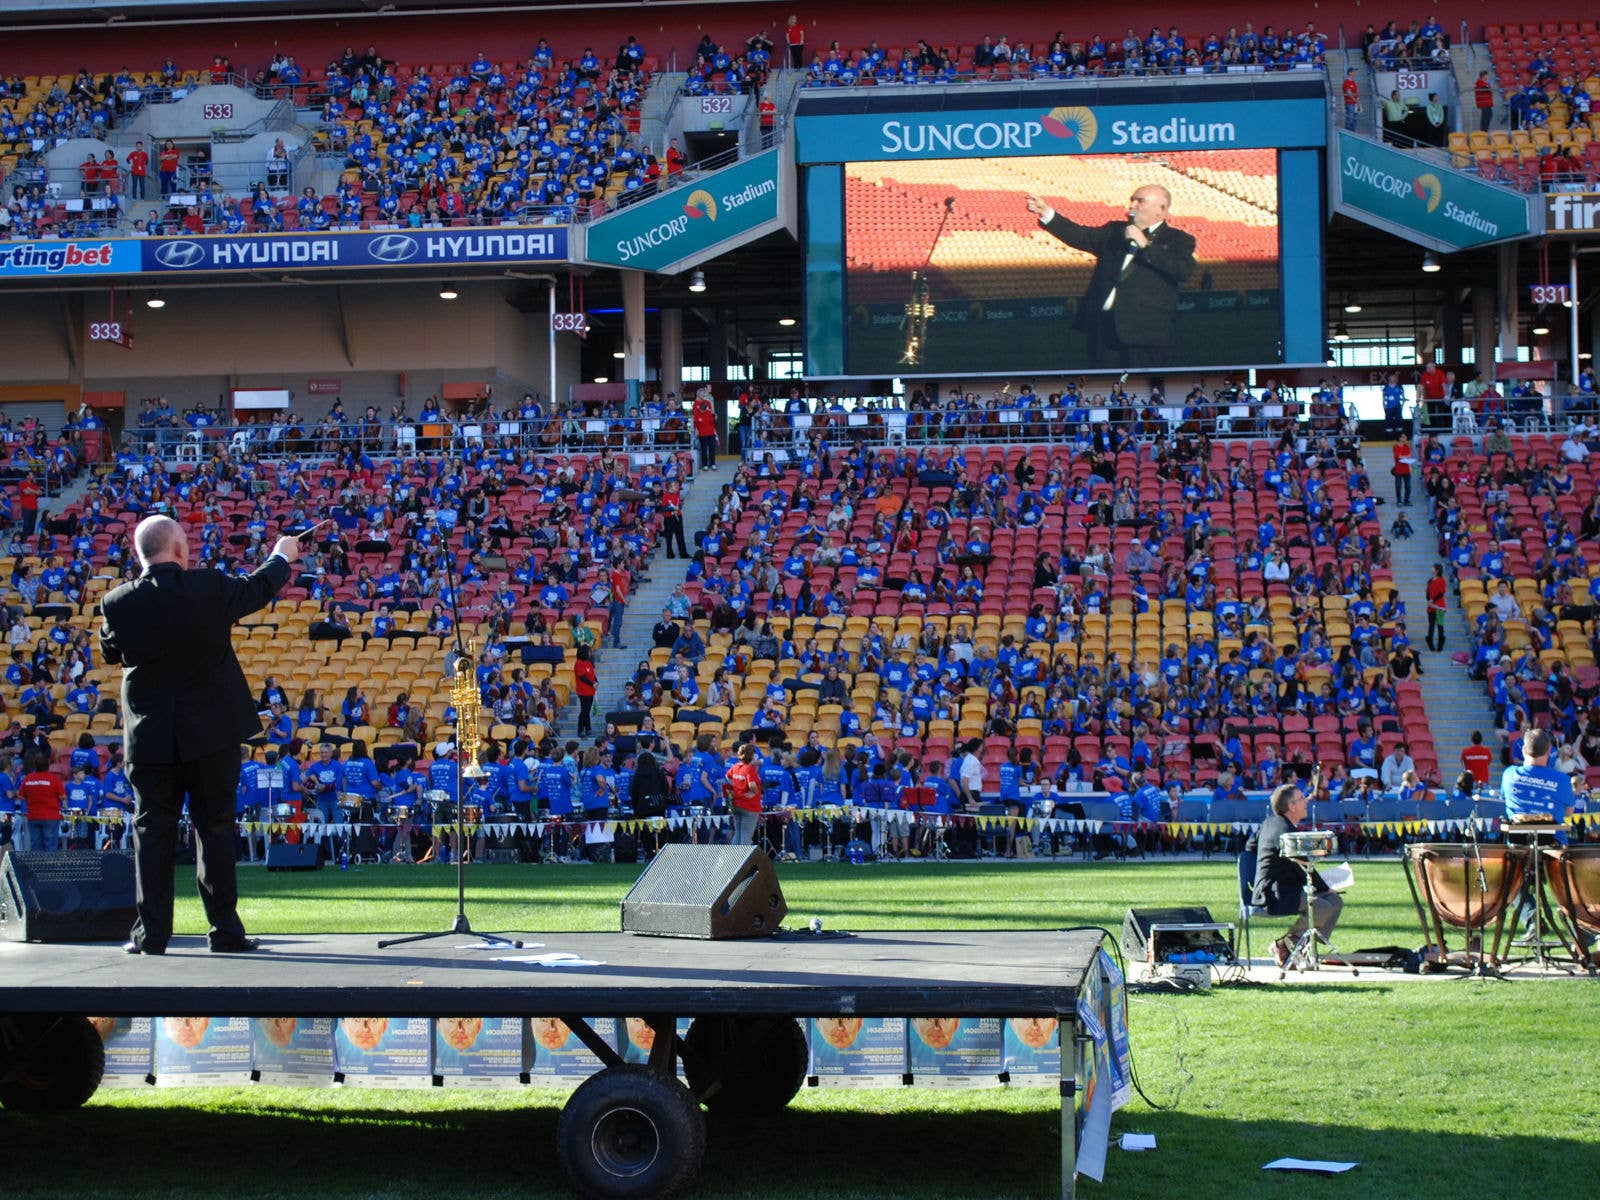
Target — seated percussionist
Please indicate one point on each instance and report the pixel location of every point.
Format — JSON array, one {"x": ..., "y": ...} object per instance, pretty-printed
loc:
[{"x": 1280, "y": 881}]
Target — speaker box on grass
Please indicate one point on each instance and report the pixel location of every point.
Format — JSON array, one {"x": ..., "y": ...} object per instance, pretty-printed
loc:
[
  {"x": 1204, "y": 935},
  {"x": 70, "y": 896},
  {"x": 307, "y": 856},
  {"x": 709, "y": 892}
]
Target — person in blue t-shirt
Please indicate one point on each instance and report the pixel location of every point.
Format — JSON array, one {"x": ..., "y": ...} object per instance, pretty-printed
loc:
[{"x": 1535, "y": 792}]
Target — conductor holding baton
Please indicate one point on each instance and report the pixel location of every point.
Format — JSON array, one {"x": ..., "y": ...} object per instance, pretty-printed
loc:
[
  {"x": 1131, "y": 307},
  {"x": 186, "y": 707}
]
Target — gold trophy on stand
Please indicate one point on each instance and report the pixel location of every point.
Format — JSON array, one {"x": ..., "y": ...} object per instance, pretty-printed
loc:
[{"x": 465, "y": 698}]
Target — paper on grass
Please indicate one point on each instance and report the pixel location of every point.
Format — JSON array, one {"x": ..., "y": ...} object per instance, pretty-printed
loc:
[
  {"x": 1138, "y": 1141},
  {"x": 1314, "y": 1166},
  {"x": 1338, "y": 878}
]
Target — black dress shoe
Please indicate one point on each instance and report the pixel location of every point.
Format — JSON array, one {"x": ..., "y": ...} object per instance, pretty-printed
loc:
[
  {"x": 243, "y": 945},
  {"x": 131, "y": 947}
]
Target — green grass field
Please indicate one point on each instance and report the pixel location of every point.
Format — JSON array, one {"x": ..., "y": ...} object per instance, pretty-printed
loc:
[{"x": 1436, "y": 1088}]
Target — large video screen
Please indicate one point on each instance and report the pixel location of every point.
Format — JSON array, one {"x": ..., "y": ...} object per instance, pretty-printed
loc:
[{"x": 1160, "y": 260}]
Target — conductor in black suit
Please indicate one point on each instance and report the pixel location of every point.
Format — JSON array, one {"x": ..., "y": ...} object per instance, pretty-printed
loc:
[
  {"x": 186, "y": 708},
  {"x": 1131, "y": 307}
]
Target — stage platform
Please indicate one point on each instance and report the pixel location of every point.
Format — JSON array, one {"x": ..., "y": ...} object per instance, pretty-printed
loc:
[
  {"x": 630, "y": 1130},
  {"x": 964, "y": 974}
]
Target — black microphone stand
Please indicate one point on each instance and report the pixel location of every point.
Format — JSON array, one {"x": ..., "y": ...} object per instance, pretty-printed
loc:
[
  {"x": 1480, "y": 967},
  {"x": 461, "y": 926}
]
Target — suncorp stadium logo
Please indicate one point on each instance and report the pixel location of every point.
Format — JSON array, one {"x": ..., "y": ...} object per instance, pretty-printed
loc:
[
  {"x": 700, "y": 203},
  {"x": 1072, "y": 124},
  {"x": 180, "y": 256},
  {"x": 393, "y": 248},
  {"x": 1428, "y": 189}
]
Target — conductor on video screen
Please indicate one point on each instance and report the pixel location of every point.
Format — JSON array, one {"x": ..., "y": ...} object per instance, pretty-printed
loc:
[{"x": 1130, "y": 309}]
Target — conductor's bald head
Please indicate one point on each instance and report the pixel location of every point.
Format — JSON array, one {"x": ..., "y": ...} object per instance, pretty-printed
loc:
[
  {"x": 1149, "y": 205},
  {"x": 160, "y": 540}
]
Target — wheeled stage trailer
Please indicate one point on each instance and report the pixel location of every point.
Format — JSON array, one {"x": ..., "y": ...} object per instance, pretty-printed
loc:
[{"x": 631, "y": 1130}]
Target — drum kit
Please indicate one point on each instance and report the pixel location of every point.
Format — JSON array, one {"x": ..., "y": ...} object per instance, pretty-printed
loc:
[{"x": 1474, "y": 888}]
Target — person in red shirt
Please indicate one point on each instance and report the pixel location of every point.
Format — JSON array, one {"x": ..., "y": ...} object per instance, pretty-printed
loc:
[
  {"x": 742, "y": 784},
  {"x": 1477, "y": 758},
  {"x": 41, "y": 794},
  {"x": 672, "y": 521},
  {"x": 138, "y": 170},
  {"x": 705, "y": 428},
  {"x": 675, "y": 159},
  {"x": 583, "y": 683},
  {"x": 1402, "y": 470},
  {"x": 795, "y": 34},
  {"x": 1352, "y": 98},
  {"x": 769, "y": 120},
  {"x": 167, "y": 167},
  {"x": 29, "y": 492},
  {"x": 110, "y": 174},
  {"x": 1438, "y": 591},
  {"x": 89, "y": 171},
  {"x": 620, "y": 582},
  {"x": 1483, "y": 96}
]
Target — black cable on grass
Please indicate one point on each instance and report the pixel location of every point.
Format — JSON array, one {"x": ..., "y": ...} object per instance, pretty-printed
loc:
[{"x": 1181, "y": 1027}]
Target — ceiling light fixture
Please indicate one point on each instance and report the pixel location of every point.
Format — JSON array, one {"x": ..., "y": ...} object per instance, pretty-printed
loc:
[
  {"x": 155, "y": 300},
  {"x": 1352, "y": 306},
  {"x": 1341, "y": 333},
  {"x": 602, "y": 379},
  {"x": 786, "y": 322},
  {"x": 448, "y": 292},
  {"x": 1540, "y": 329},
  {"x": 1430, "y": 262},
  {"x": 697, "y": 282},
  {"x": 619, "y": 354}
]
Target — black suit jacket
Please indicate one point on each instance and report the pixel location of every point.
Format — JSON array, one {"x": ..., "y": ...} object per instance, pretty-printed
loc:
[
  {"x": 184, "y": 695},
  {"x": 1147, "y": 295},
  {"x": 1280, "y": 882}
]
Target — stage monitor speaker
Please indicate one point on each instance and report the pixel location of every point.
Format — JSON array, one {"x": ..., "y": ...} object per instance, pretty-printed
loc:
[
  {"x": 1195, "y": 931},
  {"x": 307, "y": 856},
  {"x": 710, "y": 892},
  {"x": 70, "y": 896}
]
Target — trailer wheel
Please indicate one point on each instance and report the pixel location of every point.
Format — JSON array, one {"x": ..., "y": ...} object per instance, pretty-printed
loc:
[
  {"x": 762, "y": 1081},
  {"x": 628, "y": 1133},
  {"x": 49, "y": 1064}
]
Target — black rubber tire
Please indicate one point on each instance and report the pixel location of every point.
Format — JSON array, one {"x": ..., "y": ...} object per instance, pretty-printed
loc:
[
  {"x": 763, "y": 1082},
  {"x": 62, "y": 1063},
  {"x": 629, "y": 1134}
]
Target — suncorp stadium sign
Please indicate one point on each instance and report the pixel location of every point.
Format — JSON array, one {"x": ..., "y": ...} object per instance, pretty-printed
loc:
[
  {"x": 1061, "y": 129},
  {"x": 682, "y": 224},
  {"x": 1430, "y": 205},
  {"x": 387, "y": 248}
]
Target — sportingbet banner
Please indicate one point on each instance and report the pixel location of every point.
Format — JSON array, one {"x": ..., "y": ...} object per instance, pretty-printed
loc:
[
  {"x": 29, "y": 260},
  {"x": 858, "y": 1051},
  {"x": 693, "y": 222},
  {"x": 887, "y": 126},
  {"x": 419, "y": 248},
  {"x": 1423, "y": 202}
]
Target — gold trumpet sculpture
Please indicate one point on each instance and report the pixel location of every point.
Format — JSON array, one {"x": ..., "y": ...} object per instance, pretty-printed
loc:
[{"x": 469, "y": 710}]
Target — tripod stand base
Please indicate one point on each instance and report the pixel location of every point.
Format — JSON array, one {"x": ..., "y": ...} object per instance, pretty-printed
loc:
[{"x": 460, "y": 928}]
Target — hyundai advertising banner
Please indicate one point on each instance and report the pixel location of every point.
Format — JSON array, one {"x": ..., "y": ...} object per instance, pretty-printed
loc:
[
  {"x": 328, "y": 251},
  {"x": 681, "y": 226},
  {"x": 1423, "y": 202}
]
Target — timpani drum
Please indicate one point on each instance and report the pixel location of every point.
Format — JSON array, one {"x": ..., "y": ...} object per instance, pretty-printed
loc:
[
  {"x": 472, "y": 814},
  {"x": 1444, "y": 887},
  {"x": 1572, "y": 874},
  {"x": 400, "y": 813}
]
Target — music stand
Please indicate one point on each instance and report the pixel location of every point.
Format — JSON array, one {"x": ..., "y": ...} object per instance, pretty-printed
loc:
[
  {"x": 1305, "y": 956},
  {"x": 918, "y": 801}
]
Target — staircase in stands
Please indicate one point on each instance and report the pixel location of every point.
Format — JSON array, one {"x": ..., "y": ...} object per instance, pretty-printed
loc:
[
  {"x": 1456, "y": 704},
  {"x": 613, "y": 667}
]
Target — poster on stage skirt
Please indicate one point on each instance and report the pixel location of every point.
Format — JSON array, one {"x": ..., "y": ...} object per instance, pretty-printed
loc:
[
  {"x": 130, "y": 1044},
  {"x": 202, "y": 1051},
  {"x": 857, "y": 1051},
  {"x": 955, "y": 1051},
  {"x": 384, "y": 1051},
  {"x": 294, "y": 1051},
  {"x": 480, "y": 1051}
]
